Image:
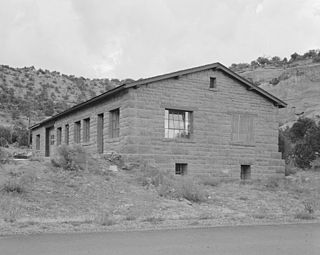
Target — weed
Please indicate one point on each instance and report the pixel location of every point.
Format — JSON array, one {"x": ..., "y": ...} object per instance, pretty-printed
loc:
[
  {"x": 153, "y": 220},
  {"x": 309, "y": 206},
  {"x": 304, "y": 216},
  {"x": 13, "y": 185},
  {"x": 191, "y": 190},
  {"x": 272, "y": 182},
  {"x": 259, "y": 216},
  {"x": 205, "y": 216},
  {"x": 210, "y": 181},
  {"x": 130, "y": 217},
  {"x": 105, "y": 219}
]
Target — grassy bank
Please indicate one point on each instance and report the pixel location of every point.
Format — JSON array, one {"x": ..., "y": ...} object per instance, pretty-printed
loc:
[{"x": 38, "y": 196}]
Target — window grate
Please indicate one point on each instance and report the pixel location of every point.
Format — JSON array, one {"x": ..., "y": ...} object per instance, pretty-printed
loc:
[{"x": 181, "y": 168}]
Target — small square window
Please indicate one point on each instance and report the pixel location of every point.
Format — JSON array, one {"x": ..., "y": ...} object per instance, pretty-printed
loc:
[
  {"x": 213, "y": 83},
  {"x": 181, "y": 168}
]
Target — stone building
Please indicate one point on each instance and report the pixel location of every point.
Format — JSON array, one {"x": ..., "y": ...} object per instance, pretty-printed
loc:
[{"x": 205, "y": 119}]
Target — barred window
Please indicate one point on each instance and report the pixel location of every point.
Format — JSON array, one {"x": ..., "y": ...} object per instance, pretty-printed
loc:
[
  {"x": 178, "y": 124},
  {"x": 114, "y": 123},
  {"x": 181, "y": 168}
]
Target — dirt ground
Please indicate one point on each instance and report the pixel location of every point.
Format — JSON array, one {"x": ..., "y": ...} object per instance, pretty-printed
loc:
[{"x": 55, "y": 200}]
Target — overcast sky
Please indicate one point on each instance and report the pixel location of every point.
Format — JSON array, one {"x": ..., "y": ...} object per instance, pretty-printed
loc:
[{"x": 140, "y": 38}]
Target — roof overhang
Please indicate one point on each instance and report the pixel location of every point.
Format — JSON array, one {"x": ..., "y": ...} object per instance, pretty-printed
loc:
[{"x": 215, "y": 66}]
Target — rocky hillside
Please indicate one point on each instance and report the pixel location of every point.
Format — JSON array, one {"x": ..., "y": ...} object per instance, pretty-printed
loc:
[
  {"x": 296, "y": 81},
  {"x": 28, "y": 92}
]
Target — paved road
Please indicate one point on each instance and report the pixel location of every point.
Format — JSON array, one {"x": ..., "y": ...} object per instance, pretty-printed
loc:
[{"x": 284, "y": 239}]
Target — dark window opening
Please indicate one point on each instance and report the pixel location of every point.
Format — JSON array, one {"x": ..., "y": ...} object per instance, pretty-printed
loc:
[
  {"x": 86, "y": 130},
  {"x": 114, "y": 123},
  {"x": 77, "y": 127},
  {"x": 66, "y": 135},
  {"x": 100, "y": 124},
  {"x": 245, "y": 172},
  {"x": 37, "y": 142},
  {"x": 213, "y": 82},
  {"x": 59, "y": 131},
  {"x": 181, "y": 168},
  {"x": 177, "y": 124}
]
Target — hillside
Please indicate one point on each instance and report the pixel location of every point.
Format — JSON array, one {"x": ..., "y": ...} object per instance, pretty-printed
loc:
[
  {"x": 41, "y": 93},
  {"x": 296, "y": 81}
]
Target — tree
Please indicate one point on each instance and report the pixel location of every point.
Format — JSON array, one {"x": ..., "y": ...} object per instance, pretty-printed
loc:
[{"x": 300, "y": 128}]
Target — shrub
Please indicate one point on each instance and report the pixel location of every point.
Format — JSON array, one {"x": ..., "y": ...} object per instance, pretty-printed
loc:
[
  {"x": 210, "y": 181},
  {"x": 191, "y": 190},
  {"x": 71, "y": 158},
  {"x": 168, "y": 185},
  {"x": 272, "y": 182},
  {"x": 304, "y": 216},
  {"x": 13, "y": 185},
  {"x": 4, "y": 157},
  {"x": 105, "y": 219}
]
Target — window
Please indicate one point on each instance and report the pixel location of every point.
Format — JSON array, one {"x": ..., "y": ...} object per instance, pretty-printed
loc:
[
  {"x": 177, "y": 124},
  {"x": 77, "y": 127},
  {"x": 59, "y": 131},
  {"x": 37, "y": 142},
  {"x": 245, "y": 172},
  {"x": 86, "y": 130},
  {"x": 114, "y": 123},
  {"x": 181, "y": 168},
  {"x": 213, "y": 83},
  {"x": 52, "y": 140},
  {"x": 66, "y": 135},
  {"x": 242, "y": 128}
]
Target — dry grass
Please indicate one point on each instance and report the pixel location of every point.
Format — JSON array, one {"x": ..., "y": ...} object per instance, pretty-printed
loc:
[{"x": 120, "y": 199}]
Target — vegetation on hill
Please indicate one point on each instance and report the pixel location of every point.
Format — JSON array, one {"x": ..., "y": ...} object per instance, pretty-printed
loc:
[
  {"x": 36, "y": 94},
  {"x": 313, "y": 55}
]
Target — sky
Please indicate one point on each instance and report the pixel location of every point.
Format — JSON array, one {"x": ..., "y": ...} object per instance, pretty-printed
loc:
[{"x": 142, "y": 38}]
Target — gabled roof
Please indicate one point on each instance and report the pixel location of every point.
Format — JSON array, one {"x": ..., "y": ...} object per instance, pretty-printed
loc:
[{"x": 215, "y": 66}]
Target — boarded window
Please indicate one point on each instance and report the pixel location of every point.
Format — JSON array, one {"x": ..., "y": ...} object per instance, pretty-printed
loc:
[
  {"x": 77, "y": 128},
  {"x": 213, "y": 82},
  {"x": 37, "y": 142},
  {"x": 114, "y": 123},
  {"x": 59, "y": 131},
  {"x": 66, "y": 134},
  {"x": 242, "y": 128},
  {"x": 86, "y": 130},
  {"x": 181, "y": 168},
  {"x": 177, "y": 124}
]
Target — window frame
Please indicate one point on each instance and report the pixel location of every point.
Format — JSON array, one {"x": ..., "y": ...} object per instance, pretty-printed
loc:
[
  {"x": 243, "y": 129},
  {"x": 213, "y": 83},
  {"x": 59, "y": 135},
  {"x": 38, "y": 137},
  {"x": 86, "y": 130},
  {"x": 179, "y": 125},
  {"x": 66, "y": 134},
  {"x": 114, "y": 126},
  {"x": 77, "y": 132}
]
